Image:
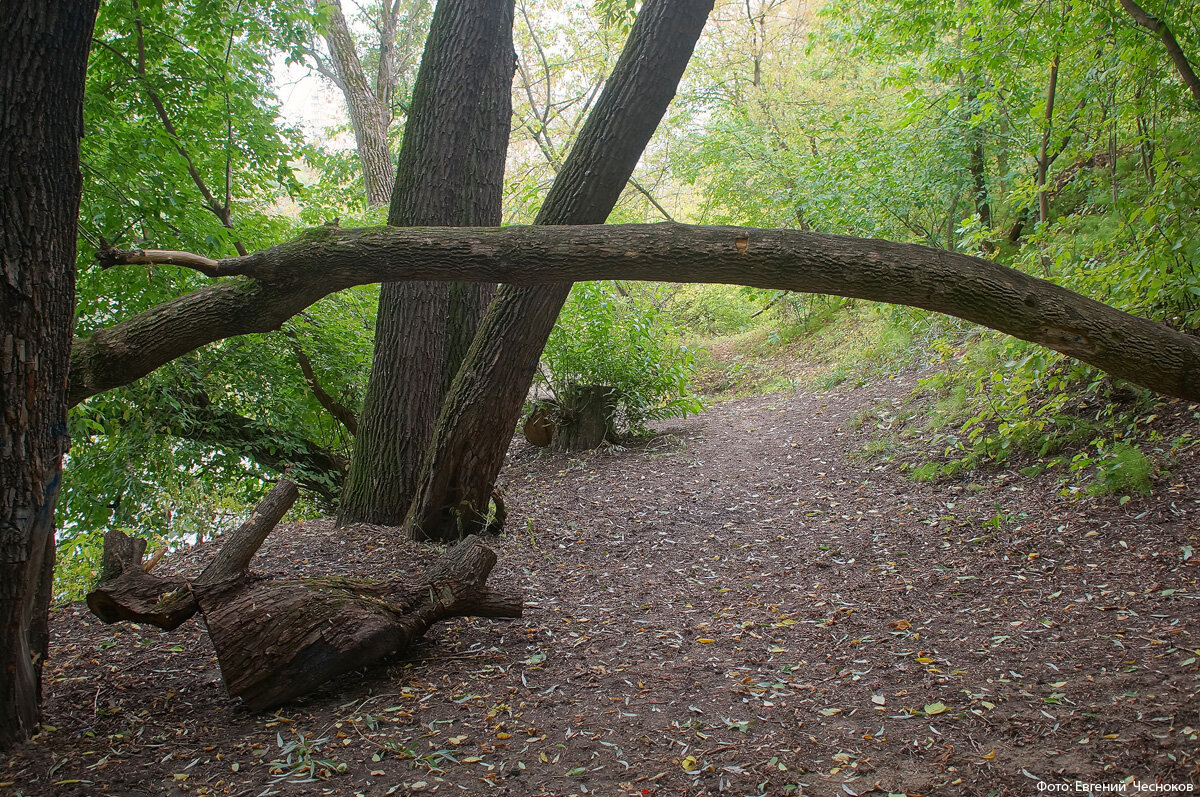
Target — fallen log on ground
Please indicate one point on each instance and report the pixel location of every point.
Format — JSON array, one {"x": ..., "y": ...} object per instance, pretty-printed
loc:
[{"x": 277, "y": 639}]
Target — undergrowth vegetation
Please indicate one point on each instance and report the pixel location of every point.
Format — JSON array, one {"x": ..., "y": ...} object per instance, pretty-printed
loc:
[{"x": 983, "y": 402}]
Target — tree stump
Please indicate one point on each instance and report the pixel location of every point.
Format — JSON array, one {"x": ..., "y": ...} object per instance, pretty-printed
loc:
[
  {"x": 281, "y": 638},
  {"x": 539, "y": 426},
  {"x": 585, "y": 417}
]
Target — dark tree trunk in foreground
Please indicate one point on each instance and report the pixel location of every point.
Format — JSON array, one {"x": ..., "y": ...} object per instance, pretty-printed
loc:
[
  {"x": 480, "y": 412},
  {"x": 451, "y": 172},
  {"x": 42, "y": 61},
  {"x": 279, "y": 639},
  {"x": 1145, "y": 352}
]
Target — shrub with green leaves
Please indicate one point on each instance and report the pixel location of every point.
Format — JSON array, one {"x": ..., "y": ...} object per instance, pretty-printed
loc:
[{"x": 604, "y": 338}]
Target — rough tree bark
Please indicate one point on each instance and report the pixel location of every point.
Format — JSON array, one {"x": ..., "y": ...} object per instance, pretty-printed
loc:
[
  {"x": 480, "y": 411},
  {"x": 450, "y": 172},
  {"x": 279, "y": 639},
  {"x": 1142, "y": 351},
  {"x": 369, "y": 107},
  {"x": 42, "y": 64}
]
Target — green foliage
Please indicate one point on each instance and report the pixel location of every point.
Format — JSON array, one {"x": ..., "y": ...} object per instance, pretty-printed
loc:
[
  {"x": 999, "y": 400},
  {"x": 1122, "y": 469},
  {"x": 604, "y": 338},
  {"x": 77, "y": 566},
  {"x": 300, "y": 760},
  {"x": 881, "y": 119},
  {"x": 185, "y": 150}
]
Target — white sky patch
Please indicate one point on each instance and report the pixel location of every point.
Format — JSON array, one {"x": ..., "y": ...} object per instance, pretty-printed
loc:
[{"x": 310, "y": 103}]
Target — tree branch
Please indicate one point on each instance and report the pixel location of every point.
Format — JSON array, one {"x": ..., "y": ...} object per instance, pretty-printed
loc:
[
  {"x": 337, "y": 409},
  {"x": 1157, "y": 26},
  {"x": 289, "y": 277},
  {"x": 139, "y": 68},
  {"x": 644, "y": 192}
]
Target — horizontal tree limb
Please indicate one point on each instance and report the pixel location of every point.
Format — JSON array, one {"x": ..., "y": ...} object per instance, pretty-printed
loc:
[{"x": 286, "y": 278}]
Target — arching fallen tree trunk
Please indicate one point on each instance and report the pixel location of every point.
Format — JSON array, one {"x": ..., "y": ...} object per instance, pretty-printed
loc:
[
  {"x": 281, "y": 638},
  {"x": 1141, "y": 351}
]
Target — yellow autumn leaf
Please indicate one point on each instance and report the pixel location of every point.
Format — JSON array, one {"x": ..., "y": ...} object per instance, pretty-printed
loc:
[
  {"x": 990, "y": 756},
  {"x": 936, "y": 708},
  {"x": 690, "y": 764},
  {"x": 705, "y": 640}
]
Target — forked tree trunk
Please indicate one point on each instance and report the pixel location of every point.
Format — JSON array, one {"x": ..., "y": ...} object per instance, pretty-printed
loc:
[
  {"x": 480, "y": 412},
  {"x": 370, "y": 114},
  {"x": 42, "y": 61},
  {"x": 451, "y": 172},
  {"x": 279, "y": 639}
]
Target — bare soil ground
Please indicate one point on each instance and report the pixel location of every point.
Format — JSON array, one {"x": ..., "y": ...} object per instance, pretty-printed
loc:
[{"x": 739, "y": 606}]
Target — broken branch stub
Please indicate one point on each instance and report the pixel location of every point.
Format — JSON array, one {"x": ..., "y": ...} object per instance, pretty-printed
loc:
[{"x": 127, "y": 591}]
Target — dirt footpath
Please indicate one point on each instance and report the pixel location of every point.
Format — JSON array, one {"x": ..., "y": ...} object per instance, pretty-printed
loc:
[{"x": 740, "y": 606}]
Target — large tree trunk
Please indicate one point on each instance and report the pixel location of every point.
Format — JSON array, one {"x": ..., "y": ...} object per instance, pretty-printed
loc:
[
  {"x": 1145, "y": 352},
  {"x": 480, "y": 412},
  {"x": 451, "y": 172},
  {"x": 279, "y": 639},
  {"x": 42, "y": 62}
]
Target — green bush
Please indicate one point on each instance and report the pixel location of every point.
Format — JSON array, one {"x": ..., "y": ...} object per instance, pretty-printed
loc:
[
  {"x": 1120, "y": 470},
  {"x": 603, "y": 338}
]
